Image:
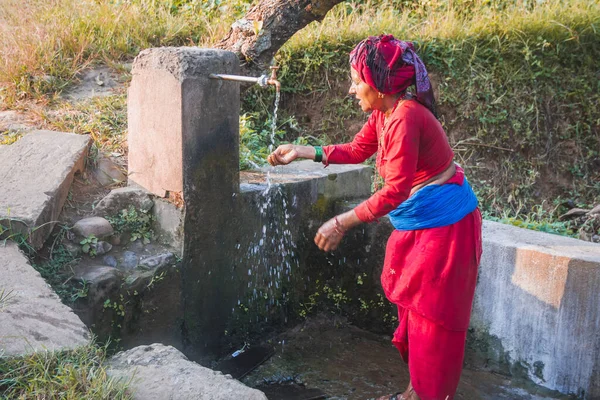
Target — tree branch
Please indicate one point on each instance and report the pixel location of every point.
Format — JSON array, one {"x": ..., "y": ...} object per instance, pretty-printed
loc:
[{"x": 267, "y": 26}]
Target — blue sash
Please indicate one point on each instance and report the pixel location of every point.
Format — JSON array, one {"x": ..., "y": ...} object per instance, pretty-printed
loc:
[{"x": 434, "y": 206}]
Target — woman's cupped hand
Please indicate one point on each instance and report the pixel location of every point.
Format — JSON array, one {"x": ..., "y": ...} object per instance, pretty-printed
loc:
[{"x": 283, "y": 155}]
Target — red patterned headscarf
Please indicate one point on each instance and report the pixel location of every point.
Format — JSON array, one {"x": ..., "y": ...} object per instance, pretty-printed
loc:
[{"x": 390, "y": 66}]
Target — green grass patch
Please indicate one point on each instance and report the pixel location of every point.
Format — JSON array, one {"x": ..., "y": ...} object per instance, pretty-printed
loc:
[
  {"x": 70, "y": 375},
  {"x": 103, "y": 118}
]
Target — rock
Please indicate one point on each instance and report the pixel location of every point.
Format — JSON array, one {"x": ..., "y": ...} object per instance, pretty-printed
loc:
[
  {"x": 158, "y": 372},
  {"x": 596, "y": 238},
  {"x": 96, "y": 226},
  {"x": 97, "y": 275},
  {"x": 32, "y": 317},
  {"x": 36, "y": 173},
  {"x": 110, "y": 261},
  {"x": 108, "y": 173},
  {"x": 73, "y": 248},
  {"x": 136, "y": 246},
  {"x": 121, "y": 198},
  {"x": 595, "y": 210},
  {"x": 101, "y": 282},
  {"x": 574, "y": 213},
  {"x": 102, "y": 248},
  {"x": 157, "y": 261},
  {"x": 129, "y": 260}
]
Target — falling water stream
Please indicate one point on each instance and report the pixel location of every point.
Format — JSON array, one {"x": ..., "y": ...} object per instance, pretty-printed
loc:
[{"x": 271, "y": 254}]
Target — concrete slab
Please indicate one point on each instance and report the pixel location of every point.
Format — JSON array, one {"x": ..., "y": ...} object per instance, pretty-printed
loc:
[
  {"x": 538, "y": 294},
  {"x": 335, "y": 181},
  {"x": 36, "y": 173},
  {"x": 158, "y": 372},
  {"x": 32, "y": 317}
]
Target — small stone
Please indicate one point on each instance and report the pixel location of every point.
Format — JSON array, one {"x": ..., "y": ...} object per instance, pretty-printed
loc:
[
  {"x": 115, "y": 240},
  {"x": 596, "y": 238},
  {"x": 595, "y": 210},
  {"x": 110, "y": 261},
  {"x": 158, "y": 261},
  {"x": 129, "y": 260},
  {"x": 96, "y": 226},
  {"x": 136, "y": 246},
  {"x": 108, "y": 173},
  {"x": 102, "y": 248}
]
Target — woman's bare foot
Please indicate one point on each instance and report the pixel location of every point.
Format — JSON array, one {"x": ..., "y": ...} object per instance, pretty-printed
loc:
[{"x": 409, "y": 394}]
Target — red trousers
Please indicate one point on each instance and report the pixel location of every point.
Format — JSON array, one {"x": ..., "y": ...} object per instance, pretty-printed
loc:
[
  {"x": 433, "y": 353},
  {"x": 430, "y": 274}
]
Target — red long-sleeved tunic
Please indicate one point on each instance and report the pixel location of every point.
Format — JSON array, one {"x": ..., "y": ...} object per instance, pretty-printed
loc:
[{"x": 412, "y": 148}]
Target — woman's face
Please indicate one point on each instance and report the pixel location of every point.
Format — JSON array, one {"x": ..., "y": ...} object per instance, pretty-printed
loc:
[{"x": 367, "y": 96}]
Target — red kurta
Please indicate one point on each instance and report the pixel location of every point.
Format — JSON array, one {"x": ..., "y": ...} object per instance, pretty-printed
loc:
[{"x": 430, "y": 273}]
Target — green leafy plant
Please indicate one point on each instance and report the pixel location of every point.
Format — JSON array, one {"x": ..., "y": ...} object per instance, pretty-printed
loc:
[
  {"x": 88, "y": 245},
  {"x": 137, "y": 222}
]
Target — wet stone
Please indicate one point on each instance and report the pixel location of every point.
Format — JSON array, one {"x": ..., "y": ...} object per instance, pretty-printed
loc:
[
  {"x": 96, "y": 226},
  {"x": 158, "y": 261},
  {"x": 110, "y": 261},
  {"x": 129, "y": 260}
]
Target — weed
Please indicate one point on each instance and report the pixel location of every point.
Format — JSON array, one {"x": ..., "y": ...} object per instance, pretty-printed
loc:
[
  {"x": 137, "y": 222},
  {"x": 75, "y": 374},
  {"x": 9, "y": 137},
  {"x": 88, "y": 245},
  {"x": 103, "y": 118},
  {"x": 5, "y": 297}
]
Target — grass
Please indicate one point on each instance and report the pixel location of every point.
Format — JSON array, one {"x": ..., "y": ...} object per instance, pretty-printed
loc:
[
  {"x": 103, "y": 118},
  {"x": 70, "y": 375},
  {"x": 5, "y": 298}
]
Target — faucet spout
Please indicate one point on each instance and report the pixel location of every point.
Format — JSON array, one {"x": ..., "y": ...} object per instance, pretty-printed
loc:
[{"x": 273, "y": 79}]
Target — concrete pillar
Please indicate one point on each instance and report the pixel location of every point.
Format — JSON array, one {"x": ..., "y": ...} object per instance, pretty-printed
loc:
[{"x": 184, "y": 139}]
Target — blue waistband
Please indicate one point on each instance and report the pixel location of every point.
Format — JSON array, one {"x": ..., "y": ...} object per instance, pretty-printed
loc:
[{"x": 434, "y": 206}]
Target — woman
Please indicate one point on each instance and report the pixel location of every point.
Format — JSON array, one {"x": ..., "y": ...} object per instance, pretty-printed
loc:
[{"x": 430, "y": 267}]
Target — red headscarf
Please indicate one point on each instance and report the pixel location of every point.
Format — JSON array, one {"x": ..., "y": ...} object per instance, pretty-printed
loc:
[{"x": 390, "y": 66}]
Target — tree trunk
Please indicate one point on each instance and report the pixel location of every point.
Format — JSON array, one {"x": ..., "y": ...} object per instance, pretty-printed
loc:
[{"x": 267, "y": 26}]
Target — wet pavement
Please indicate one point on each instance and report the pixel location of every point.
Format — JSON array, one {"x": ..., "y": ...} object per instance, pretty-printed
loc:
[{"x": 349, "y": 363}]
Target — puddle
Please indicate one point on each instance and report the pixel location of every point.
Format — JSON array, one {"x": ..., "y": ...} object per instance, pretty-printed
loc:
[{"x": 349, "y": 363}]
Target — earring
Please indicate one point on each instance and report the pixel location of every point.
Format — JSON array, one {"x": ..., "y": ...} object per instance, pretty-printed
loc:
[{"x": 380, "y": 95}]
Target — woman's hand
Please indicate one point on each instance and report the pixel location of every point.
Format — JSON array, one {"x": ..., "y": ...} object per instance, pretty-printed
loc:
[
  {"x": 329, "y": 235},
  {"x": 286, "y": 153},
  {"x": 331, "y": 232},
  {"x": 283, "y": 155}
]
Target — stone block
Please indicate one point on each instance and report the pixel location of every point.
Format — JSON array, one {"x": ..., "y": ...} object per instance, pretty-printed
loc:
[
  {"x": 158, "y": 372},
  {"x": 171, "y": 101},
  {"x": 538, "y": 295},
  {"x": 36, "y": 173},
  {"x": 33, "y": 317},
  {"x": 168, "y": 227}
]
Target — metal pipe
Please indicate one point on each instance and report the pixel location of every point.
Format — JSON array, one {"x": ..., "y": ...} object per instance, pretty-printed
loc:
[{"x": 261, "y": 80}]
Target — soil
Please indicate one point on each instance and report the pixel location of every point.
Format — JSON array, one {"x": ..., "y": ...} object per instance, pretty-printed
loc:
[{"x": 327, "y": 353}]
